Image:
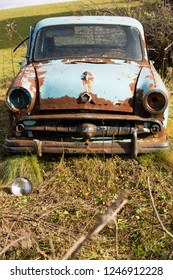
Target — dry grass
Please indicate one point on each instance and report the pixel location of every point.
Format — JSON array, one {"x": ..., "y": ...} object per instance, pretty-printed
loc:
[
  {"x": 17, "y": 166},
  {"x": 74, "y": 192}
]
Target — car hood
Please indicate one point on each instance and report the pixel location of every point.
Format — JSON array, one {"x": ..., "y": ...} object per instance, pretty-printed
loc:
[{"x": 81, "y": 85}]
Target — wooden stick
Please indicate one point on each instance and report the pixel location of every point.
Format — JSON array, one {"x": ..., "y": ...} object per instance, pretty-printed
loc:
[
  {"x": 110, "y": 214},
  {"x": 13, "y": 243},
  {"x": 155, "y": 210}
]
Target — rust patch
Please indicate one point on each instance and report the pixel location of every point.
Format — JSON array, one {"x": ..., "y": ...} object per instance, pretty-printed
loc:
[
  {"x": 25, "y": 79},
  {"x": 41, "y": 77},
  {"x": 60, "y": 103},
  {"x": 95, "y": 103},
  {"x": 139, "y": 108},
  {"x": 133, "y": 85},
  {"x": 89, "y": 60},
  {"x": 160, "y": 117},
  {"x": 159, "y": 136},
  {"x": 87, "y": 78}
]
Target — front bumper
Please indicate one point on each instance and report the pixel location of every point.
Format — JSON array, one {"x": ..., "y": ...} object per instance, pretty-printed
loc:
[
  {"x": 88, "y": 133},
  {"x": 131, "y": 146}
]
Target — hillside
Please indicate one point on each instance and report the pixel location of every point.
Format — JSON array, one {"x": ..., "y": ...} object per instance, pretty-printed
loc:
[{"x": 15, "y": 23}]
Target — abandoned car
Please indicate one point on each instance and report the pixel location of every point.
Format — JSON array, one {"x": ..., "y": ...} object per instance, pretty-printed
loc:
[{"x": 87, "y": 86}]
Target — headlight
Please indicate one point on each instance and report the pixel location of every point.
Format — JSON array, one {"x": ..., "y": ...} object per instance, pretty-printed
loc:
[
  {"x": 21, "y": 186},
  {"x": 18, "y": 99},
  {"x": 155, "y": 101}
]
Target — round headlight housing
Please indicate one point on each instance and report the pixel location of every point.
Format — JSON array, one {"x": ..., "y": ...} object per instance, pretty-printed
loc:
[
  {"x": 21, "y": 186},
  {"x": 19, "y": 99},
  {"x": 155, "y": 101}
]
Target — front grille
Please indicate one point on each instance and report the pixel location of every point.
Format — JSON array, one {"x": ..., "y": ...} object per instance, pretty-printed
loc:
[{"x": 71, "y": 128}]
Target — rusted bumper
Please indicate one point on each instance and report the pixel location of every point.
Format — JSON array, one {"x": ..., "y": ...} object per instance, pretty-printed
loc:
[{"x": 131, "y": 147}]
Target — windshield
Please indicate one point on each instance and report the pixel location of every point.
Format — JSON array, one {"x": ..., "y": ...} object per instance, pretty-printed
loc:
[{"x": 88, "y": 41}]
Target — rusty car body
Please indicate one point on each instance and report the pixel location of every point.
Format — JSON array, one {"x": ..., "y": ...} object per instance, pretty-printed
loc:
[{"x": 87, "y": 86}]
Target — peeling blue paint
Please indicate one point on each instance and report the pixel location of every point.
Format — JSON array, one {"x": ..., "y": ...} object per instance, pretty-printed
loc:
[{"x": 110, "y": 82}]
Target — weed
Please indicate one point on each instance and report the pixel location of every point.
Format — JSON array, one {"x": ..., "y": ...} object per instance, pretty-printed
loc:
[{"x": 21, "y": 166}]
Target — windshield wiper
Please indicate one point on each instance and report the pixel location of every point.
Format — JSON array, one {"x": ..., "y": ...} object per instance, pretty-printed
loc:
[{"x": 21, "y": 44}]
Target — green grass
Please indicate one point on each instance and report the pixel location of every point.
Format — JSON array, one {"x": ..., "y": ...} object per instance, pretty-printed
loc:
[
  {"x": 17, "y": 166},
  {"x": 15, "y": 23}
]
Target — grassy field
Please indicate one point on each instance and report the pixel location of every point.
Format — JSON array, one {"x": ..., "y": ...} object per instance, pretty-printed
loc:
[
  {"x": 70, "y": 193},
  {"x": 15, "y": 23}
]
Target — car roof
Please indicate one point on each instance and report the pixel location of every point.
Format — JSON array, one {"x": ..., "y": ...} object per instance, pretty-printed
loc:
[
  {"x": 120, "y": 20},
  {"x": 68, "y": 20}
]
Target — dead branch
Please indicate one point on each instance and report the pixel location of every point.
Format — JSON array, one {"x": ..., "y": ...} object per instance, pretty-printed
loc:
[
  {"x": 13, "y": 243},
  {"x": 156, "y": 213},
  {"x": 110, "y": 215},
  {"x": 169, "y": 255},
  {"x": 42, "y": 253},
  {"x": 116, "y": 237},
  {"x": 9, "y": 232},
  {"x": 52, "y": 248}
]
